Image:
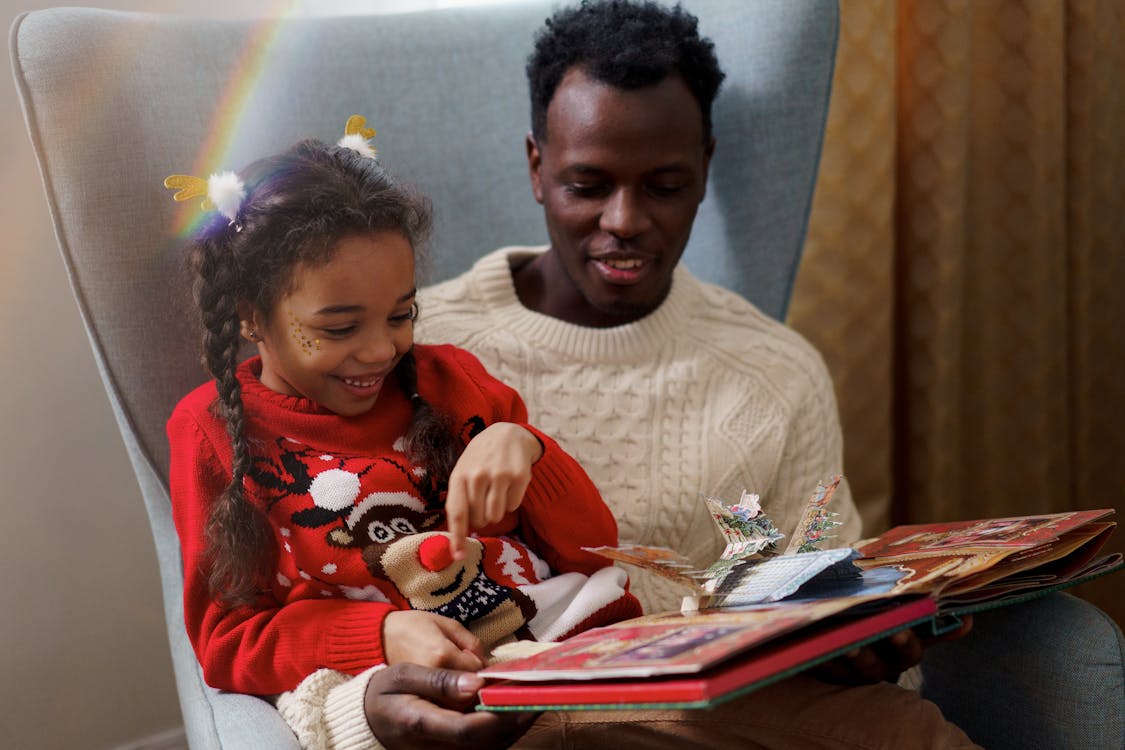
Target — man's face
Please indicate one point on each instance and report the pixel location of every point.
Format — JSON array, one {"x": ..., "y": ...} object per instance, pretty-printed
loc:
[{"x": 620, "y": 175}]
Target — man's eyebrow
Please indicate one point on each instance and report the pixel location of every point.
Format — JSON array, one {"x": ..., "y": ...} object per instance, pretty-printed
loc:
[
  {"x": 590, "y": 169},
  {"x": 584, "y": 169},
  {"x": 340, "y": 309}
]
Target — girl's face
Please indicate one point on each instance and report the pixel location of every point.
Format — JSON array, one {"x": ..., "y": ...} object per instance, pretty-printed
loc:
[{"x": 343, "y": 326}]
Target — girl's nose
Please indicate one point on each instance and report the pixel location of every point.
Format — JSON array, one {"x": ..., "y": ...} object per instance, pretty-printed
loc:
[
  {"x": 434, "y": 553},
  {"x": 377, "y": 348}
]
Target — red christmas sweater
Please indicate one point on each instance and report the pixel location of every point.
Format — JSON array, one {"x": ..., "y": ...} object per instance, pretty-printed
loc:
[{"x": 357, "y": 530}]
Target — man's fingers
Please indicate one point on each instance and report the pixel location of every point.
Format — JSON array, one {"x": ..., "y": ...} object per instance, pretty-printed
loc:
[
  {"x": 962, "y": 630},
  {"x": 859, "y": 666},
  {"x": 901, "y": 651},
  {"x": 867, "y": 665},
  {"x": 444, "y": 687},
  {"x": 465, "y": 731},
  {"x": 408, "y": 704}
]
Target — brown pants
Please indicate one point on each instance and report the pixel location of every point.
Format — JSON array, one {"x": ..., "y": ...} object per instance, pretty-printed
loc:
[{"x": 800, "y": 713}]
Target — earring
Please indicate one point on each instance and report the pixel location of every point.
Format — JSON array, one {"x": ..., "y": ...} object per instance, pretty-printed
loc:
[{"x": 253, "y": 335}]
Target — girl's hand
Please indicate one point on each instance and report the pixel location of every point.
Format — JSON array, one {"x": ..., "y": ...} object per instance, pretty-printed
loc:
[
  {"x": 489, "y": 480},
  {"x": 431, "y": 640}
]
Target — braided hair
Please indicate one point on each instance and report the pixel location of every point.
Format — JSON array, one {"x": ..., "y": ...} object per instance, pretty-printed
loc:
[{"x": 299, "y": 205}]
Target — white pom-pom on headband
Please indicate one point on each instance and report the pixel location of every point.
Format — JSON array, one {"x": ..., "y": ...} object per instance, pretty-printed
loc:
[{"x": 224, "y": 191}]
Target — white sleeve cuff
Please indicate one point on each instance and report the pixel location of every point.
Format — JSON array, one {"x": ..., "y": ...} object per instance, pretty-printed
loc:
[{"x": 326, "y": 711}]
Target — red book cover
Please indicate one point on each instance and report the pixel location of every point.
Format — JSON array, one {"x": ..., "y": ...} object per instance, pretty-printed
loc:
[{"x": 754, "y": 668}]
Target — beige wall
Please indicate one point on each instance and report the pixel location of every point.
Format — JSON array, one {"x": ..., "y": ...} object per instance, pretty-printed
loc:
[{"x": 83, "y": 661}]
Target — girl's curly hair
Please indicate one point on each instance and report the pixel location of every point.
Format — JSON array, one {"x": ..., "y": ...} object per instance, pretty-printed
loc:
[{"x": 299, "y": 205}]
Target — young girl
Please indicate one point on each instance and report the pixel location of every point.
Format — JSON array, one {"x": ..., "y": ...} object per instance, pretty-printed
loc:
[{"x": 323, "y": 489}]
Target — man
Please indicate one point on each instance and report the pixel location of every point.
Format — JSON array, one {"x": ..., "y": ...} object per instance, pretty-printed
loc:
[{"x": 662, "y": 386}]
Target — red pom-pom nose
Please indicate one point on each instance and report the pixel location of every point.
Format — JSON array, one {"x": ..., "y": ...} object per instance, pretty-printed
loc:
[{"x": 435, "y": 554}]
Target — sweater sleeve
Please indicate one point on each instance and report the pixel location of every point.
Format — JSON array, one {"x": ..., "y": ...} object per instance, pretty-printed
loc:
[
  {"x": 326, "y": 711},
  {"x": 267, "y": 647},
  {"x": 562, "y": 511}
]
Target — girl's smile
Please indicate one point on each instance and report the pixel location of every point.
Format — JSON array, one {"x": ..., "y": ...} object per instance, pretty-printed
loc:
[
  {"x": 363, "y": 387},
  {"x": 343, "y": 326}
]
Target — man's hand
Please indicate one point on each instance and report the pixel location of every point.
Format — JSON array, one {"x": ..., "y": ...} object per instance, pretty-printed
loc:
[
  {"x": 489, "y": 480},
  {"x": 430, "y": 640},
  {"x": 409, "y": 706},
  {"x": 885, "y": 660}
]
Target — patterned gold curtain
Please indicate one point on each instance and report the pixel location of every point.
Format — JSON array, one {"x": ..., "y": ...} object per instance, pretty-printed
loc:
[{"x": 964, "y": 272}]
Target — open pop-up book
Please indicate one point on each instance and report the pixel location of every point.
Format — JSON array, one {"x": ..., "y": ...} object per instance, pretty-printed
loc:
[
  {"x": 753, "y": 568},
  {"x": 764, "y": 611}
]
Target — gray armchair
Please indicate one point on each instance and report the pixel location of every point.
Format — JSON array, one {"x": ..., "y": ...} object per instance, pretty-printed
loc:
[{"x": 114, "y": 102}]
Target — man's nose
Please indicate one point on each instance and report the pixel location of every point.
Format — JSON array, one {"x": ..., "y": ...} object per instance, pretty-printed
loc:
[{"x": 625, "y": 214}]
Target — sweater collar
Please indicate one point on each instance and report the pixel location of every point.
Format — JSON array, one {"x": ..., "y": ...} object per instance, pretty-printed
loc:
[
  {"x": 492, "y": 278},
  {"x": 253, "y": 390}
]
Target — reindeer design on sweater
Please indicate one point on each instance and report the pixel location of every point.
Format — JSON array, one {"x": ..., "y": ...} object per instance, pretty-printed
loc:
[
  {"x": 375, "y": 505},
  {"x": 390, "y": 530}
]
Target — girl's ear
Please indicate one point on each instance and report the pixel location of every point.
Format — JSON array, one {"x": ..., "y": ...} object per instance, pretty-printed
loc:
[{"x": 249, "y": 322}]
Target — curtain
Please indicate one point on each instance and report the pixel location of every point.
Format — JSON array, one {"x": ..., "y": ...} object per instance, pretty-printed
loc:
[{"x": 964, "y": 271}]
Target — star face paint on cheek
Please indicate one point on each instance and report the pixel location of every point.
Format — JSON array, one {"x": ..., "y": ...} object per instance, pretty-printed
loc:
[{"x": 308, "y": 346}]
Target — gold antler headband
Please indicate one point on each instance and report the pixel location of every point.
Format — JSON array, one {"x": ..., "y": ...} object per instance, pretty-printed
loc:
[
  {"x": 357, "y": 135},
  {"x": 225, "y": 192}
]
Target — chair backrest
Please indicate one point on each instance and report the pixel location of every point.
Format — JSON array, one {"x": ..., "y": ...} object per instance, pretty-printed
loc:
[{"x": 114, "y": 102}]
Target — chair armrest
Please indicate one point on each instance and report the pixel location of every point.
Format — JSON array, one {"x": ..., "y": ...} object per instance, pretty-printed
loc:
[{"x": 1046, "y": 673}]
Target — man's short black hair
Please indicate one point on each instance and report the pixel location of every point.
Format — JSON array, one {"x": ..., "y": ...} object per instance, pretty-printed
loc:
[{"x": 627, "y": 44}]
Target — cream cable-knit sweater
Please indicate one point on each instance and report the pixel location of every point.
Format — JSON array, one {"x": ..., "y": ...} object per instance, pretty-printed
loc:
[{"x": 704, "y": 395}]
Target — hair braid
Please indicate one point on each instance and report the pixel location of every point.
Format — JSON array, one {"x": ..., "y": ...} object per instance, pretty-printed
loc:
[
  {"x": 238, "y": 536},
  {"x": 429, "y": 441}
]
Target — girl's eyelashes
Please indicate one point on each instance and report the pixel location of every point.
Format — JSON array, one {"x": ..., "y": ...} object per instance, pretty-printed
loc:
[
  {"x": 409, "y": 316},
  {"x": 338, "y": 332}
]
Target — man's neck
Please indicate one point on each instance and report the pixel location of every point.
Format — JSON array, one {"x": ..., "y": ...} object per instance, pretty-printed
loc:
[{"x": 543, "y": 286}]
